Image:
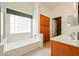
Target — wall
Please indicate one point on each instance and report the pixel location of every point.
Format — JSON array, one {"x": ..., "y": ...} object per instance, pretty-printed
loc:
[
  {"x": 60, "y": 10},
  {"x": 22, "y": 7},
  {"x": 63, "y": 10},
  {"x": 1, "y": 46},
  {"x": 26, "y": 7},
  {"x": 1, "y": 50},
  {"x": 36, "y": 27},
  {"x": 44, "y": 9},
  {"x": 0, "y": 24}
]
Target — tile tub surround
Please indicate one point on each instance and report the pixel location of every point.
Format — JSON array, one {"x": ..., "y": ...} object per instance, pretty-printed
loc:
[
  {"x": 23, "y": 46},
  {"x": 19, "y": 48},
  {"x": 1, "y": 50},
  {"x": 66, "y": 39}
]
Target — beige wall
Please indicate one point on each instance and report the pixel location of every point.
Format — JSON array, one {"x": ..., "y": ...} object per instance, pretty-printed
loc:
[
  {"x": 63, "y": 10},
  {"x": 43, "y": 9},
  {"x": 22, "y": 7},
  {"x": 0, "y": 24}
]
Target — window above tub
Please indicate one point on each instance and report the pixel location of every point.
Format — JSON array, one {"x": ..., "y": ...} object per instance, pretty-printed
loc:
[{"x": 19, "y": 22}]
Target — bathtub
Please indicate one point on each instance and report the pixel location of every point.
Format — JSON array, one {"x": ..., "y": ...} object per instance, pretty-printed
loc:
[{"x": 21, "y": 47}]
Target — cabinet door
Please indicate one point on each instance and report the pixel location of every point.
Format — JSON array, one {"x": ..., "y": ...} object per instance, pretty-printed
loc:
[
  {"x": 72, "y": 51},
  {"x": 61, "y": 49},
  {"x": 54, "y": 48}
]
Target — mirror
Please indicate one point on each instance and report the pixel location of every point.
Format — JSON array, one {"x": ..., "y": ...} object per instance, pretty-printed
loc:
[{"x": 72, "y": 20}]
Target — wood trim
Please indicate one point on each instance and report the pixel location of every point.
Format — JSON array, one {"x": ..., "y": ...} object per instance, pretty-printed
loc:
[{"x": 44, "y": 16}]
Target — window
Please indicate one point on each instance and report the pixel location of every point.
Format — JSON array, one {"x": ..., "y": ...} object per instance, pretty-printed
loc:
[{"x": 19, "y": 22}]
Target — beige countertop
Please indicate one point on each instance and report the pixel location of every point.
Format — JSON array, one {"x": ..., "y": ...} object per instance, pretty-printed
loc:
[{"x": 67, "y": 40}]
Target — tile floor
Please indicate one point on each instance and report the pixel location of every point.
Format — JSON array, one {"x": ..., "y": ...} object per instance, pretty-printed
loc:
[{"x": 45, "y": 51}]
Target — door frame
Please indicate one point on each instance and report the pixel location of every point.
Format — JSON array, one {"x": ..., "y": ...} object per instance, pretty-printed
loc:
[
  {"x": 56, "y": 18},
  {"x": 45, "y": 25}
]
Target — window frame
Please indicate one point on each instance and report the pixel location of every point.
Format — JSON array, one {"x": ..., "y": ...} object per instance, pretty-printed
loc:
[{"x": 17, "y": 13}]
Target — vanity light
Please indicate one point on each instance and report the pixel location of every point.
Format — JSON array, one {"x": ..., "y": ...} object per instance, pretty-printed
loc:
[
  {"x": 68, "y": 24},
  {"x": 75, "y": 15},
  {"x": 75, "y": 5}
]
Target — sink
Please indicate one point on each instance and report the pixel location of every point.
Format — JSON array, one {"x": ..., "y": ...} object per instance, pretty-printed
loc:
[{"x": 73, "y": 35}]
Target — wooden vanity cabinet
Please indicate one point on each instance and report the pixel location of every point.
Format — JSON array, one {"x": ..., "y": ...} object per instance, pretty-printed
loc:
[{"x": 61, "y": 49}]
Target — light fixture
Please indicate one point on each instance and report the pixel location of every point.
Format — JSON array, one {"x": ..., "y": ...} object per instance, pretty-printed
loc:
[
  {"x": 74, "y": 5},
  {"x": 68, "y": 24}
]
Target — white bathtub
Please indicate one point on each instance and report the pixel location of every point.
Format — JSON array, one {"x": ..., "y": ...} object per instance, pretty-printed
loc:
[{"x": 21, "y": 47}]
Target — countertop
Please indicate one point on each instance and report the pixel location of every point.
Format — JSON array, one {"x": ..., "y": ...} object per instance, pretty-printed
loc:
[{"x": 66, "y": 39}]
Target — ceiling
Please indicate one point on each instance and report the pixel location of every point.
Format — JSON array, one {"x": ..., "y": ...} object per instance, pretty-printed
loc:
[{"x": 54, "y": 4}]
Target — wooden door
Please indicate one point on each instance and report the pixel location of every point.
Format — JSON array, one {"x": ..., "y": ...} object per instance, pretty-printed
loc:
[{"x": 45, "y": 27}]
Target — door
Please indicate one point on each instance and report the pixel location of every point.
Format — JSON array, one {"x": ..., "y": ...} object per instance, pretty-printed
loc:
[
  {"x": 45, "y": 27},
  {"x": 57, "y": 26}
]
